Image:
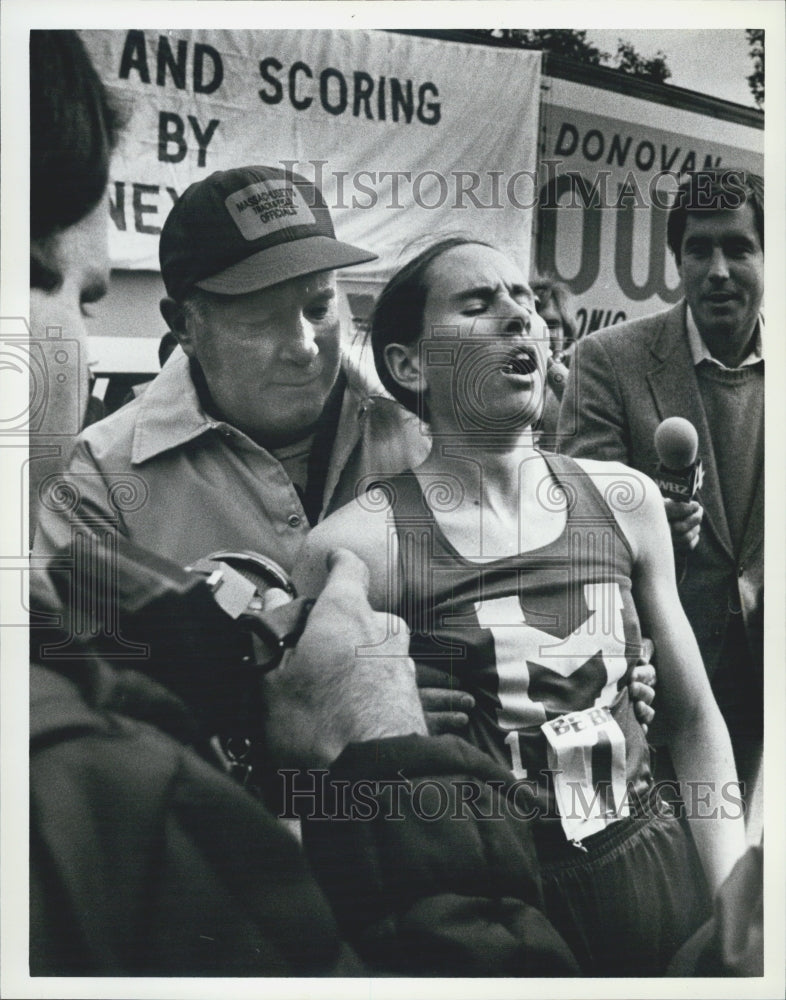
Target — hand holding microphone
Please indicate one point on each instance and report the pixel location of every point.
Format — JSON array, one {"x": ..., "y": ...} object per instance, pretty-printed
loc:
[{"x": 679, "y": 478}]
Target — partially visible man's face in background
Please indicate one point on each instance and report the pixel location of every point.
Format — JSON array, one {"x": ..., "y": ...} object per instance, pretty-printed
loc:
[
  {"x": 550, "y": 315},
  {"x": 68, "y": 273}
]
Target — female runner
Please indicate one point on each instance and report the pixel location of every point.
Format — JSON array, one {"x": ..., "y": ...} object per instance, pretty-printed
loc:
[{"x": 531, "y": 578}]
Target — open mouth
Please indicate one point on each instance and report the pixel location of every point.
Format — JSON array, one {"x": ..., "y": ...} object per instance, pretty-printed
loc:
[{"x": 521, "y": 362}]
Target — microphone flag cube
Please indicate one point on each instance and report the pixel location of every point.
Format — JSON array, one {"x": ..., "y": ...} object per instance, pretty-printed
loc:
[{"x": 680, "y": 484}]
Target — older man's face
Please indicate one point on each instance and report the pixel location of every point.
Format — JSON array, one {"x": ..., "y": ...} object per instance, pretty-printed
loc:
[
  {"x": 722, "y": 271},
  {"x": 271, "y": 357}
]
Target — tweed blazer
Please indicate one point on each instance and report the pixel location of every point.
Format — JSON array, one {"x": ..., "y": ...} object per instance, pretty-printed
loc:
[{"x": 623, "y": 382}]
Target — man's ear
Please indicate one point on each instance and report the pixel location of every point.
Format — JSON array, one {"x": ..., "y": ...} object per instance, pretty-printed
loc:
[
  {"x": 403, "y": 361},
  {"x": 175, "y": 318}
]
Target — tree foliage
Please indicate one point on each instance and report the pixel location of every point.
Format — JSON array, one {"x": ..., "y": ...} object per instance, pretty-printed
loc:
[
  {"x": 562, "y": 42},
  {"x": 629, "y": 61},
  {"x": 574, "y": 44},
  {"x": 755, "y": 38}
]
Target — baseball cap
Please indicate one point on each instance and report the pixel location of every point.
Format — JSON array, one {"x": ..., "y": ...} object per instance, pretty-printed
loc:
[{"x": 242, "y": 230}]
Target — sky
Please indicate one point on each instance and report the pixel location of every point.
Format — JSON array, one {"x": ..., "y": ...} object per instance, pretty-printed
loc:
[{"x": 711, "y": 61}]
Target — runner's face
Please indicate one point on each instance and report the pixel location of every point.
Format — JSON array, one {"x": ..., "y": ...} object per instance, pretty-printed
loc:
[{"x": 483, "y": 347}]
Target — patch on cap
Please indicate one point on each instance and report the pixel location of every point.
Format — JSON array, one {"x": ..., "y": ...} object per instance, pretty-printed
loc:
[{"x": 265, "y": 207}]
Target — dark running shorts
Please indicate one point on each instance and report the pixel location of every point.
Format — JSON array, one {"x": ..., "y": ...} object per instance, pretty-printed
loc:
[{"x": 627, "y": 903}]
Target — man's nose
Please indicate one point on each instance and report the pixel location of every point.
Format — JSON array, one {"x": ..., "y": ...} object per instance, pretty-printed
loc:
[
  {"x": 518, "y": 317},
  {"x": 300, "y": 344},
  {"x": 526, "y": 323},
  {"x": 719, "y": 266}
]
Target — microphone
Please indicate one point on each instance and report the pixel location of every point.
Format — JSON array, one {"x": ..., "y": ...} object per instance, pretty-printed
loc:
[{"x": 680, "y": 473}]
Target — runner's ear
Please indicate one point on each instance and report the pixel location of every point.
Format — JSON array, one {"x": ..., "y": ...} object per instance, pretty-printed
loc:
[{"x": 403, "y": 361}]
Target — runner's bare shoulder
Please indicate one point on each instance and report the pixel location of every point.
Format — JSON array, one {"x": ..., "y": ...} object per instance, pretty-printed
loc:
[{"x": 364, "y": 526}]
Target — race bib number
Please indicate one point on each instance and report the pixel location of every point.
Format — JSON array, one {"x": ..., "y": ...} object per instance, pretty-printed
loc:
[{"x": 586, "y": 753}]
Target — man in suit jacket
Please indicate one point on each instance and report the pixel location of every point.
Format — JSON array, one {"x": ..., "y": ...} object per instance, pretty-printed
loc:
[{"x": 701, "y": 360}]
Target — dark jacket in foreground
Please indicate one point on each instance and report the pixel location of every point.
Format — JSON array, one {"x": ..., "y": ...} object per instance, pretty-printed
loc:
[{"x": 147, "y": 860}]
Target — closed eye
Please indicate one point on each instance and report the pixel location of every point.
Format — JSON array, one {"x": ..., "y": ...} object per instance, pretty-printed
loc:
[
  {"x": 317, "y": 313},
  {"x": 321, "y": 306},
  {"x": 43, "y": 277},
  {"x": 90, "y": 295}
]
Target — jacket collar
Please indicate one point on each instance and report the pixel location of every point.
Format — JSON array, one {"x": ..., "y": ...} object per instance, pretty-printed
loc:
[
  {"x": 700, "y": 352},
  {"x": 170, "y": 413},
  {"x": 670, "y": 332}
]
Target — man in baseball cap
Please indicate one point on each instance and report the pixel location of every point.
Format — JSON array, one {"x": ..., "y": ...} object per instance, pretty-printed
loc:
[
  {"x": 243, "y": 230},
  {"x": 247, "y": 257},
  {"x": 258, "y": 427}
]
